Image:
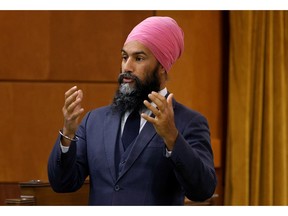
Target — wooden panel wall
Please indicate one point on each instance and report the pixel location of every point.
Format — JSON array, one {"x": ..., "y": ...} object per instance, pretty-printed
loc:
[{"x": 43, "y": 53}]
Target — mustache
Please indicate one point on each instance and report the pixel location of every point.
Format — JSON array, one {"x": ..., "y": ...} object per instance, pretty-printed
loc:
[{"x": 126, "y": 75}]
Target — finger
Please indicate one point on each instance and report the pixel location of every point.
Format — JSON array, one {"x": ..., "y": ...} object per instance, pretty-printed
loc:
[
  {"x": 148, "y": 118},
  {"x": 73, "y": 109},
  {"x": 76, "y": 114},
  {"x": 159, "y": 96},
  {"x": 149, "y": 106},
  {"x": 70, "y": 100},
  {"x": 74, "y": 104},
  {"x": 158, "y": 99},
  {"x": 77, "y": 95},
  {"x": 70, "y": 91},
  {"x": 170, "y": 100},
  {"x": 77, "y": 103},
  {"x": 80, "y": 94}
]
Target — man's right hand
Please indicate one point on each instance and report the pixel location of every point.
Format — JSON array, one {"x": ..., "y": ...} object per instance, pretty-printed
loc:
[{"x": 71, "y": 111}]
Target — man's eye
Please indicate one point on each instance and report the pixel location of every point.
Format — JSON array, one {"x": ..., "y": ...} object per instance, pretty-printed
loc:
[
  {"x": 124, "y": 58},
  {"x": 139, "y": 58}
]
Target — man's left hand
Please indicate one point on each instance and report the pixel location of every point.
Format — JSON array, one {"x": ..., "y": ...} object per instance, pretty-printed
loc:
[{"x": 163, "y": 119}]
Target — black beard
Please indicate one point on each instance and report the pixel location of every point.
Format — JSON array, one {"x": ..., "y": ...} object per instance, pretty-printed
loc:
[{"x": 131, "y": 98}]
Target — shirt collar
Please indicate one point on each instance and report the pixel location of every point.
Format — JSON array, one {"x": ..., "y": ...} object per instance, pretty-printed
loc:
[{"x": 163, "y": 92}]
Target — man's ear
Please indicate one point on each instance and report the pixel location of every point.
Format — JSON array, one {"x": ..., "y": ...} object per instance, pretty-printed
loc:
[
  {"x": 162, "y": 69},
  {"x": 162, "y": 72}
]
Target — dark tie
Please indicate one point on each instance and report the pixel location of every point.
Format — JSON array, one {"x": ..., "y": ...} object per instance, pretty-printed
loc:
[{"x": 131, "y": 129}]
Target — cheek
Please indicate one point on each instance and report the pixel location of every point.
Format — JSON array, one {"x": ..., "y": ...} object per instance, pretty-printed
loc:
[
  {"x": 140, "y": 74},
  {"x": 143, "y": 72}
]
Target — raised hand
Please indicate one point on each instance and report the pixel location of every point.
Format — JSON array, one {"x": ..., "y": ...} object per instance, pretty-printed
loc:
[
  {"x": 164, "y": 117},
  {"x": 71, "y": 111}
]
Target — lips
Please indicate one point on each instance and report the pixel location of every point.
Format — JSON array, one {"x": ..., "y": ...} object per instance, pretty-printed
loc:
[{"x": 128, "y": 80}]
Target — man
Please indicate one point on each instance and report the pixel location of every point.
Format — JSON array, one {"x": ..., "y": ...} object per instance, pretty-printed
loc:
[{"x": 170, "y": 156}]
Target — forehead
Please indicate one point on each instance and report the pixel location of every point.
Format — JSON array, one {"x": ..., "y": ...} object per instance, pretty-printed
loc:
[{"x": 135, "y": 47}]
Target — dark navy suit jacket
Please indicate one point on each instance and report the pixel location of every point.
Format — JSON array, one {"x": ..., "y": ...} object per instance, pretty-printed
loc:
[{"x": 147, "y": 176}]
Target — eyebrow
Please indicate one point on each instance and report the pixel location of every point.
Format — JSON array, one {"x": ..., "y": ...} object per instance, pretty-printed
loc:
[{"x": 135, "y": 53}]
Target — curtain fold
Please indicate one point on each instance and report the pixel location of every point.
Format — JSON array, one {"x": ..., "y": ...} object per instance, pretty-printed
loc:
[{"x": 257, "y": 162}]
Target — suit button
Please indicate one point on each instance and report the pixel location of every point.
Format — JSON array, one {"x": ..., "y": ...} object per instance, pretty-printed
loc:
[
  {"x": 117, "y": 188},
  {"x": 123, "y": 162}
]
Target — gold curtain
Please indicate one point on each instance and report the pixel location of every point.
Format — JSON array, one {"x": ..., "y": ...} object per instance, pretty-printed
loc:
[{"x": 257, "y": 151}]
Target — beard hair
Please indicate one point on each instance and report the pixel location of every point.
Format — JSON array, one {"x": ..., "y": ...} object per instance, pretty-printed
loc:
[{"x": 128, "y": 97}]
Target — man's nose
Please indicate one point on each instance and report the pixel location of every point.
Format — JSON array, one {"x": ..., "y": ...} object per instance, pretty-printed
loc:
[{"x": 128, "y": 65}]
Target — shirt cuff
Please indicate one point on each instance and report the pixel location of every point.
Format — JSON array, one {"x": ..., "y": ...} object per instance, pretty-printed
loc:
[
  {"x": 64, "y": 149},
  {"x": 168, "y": 153}
]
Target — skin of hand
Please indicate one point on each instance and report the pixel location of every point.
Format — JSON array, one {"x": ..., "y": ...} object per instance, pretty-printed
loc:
[
  {"x": 163, "y": 121},
  {"x": 71, "y": 111}
]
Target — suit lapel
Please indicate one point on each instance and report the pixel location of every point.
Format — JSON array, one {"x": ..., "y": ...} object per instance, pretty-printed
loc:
[{"x": 111, "y": 126}]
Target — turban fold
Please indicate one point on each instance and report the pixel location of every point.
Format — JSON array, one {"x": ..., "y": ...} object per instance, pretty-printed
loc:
[{"x": 162, "y": 36}]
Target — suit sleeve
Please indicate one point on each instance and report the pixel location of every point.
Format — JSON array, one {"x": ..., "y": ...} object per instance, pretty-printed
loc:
[
  {"x": 192, "y": 158},
  {"x": 68, "y": 171}
]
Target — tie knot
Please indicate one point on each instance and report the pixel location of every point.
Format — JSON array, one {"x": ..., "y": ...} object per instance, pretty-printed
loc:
[{"x": 134, "y": 116}]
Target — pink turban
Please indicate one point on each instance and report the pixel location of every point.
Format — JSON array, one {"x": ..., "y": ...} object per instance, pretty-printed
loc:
[{"x": 162, "y": 36}]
